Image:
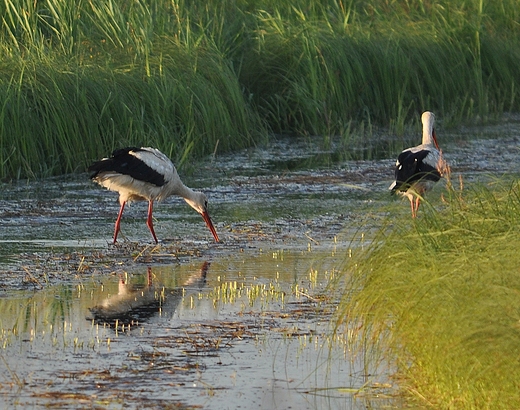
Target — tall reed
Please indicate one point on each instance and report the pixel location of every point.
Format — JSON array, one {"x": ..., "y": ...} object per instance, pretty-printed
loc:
[
  {"x": 309, "y": 76},
  {"x": 233, "y": 71},
  {"x": 58, "y": 120}
]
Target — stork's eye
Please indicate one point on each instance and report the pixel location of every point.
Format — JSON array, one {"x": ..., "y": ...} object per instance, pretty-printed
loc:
[{"x": 206, "y": 204}]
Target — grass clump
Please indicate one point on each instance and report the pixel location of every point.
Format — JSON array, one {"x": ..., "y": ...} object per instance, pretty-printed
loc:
[{"x": 440, "y": 297}]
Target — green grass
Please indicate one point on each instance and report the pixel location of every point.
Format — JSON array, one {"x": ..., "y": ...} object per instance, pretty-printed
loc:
[
  {"x": 58, "y": 121},
  {"x": 78, "y": 79},
  {"x": 439, "y": 298}
]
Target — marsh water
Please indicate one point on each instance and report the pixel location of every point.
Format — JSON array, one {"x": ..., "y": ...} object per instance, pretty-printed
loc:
[{"x": 189, "y": 323}]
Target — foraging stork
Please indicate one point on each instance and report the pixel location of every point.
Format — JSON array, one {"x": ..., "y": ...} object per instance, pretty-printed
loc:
[
  {"x": 418, "y": 168},
  {"x": 145, "y": 174}
]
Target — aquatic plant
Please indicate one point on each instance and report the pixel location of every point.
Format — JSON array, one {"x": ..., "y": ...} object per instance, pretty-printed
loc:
[{"x": 439, "y": 297}]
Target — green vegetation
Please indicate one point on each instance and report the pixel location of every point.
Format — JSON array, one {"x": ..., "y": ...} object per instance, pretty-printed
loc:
[
  {"x": 79, "y": 78},
  {"x": 440, "y": 297}
]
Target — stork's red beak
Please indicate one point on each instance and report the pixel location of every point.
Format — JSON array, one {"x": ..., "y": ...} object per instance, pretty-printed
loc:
[
  {"x": 207, "y": 219},
  {"x": 435, "y": 139}
]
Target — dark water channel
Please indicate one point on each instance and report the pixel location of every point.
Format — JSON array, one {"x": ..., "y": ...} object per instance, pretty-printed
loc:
[{"x": 193, "y": 324}]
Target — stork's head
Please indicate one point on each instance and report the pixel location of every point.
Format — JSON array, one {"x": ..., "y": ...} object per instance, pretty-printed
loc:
[{"x": 199, "y": 202}]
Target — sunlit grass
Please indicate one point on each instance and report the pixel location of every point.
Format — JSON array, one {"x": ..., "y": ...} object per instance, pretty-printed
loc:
[
  {"x": 439, "y": 297},
  {"x": 232, "y": 292}
]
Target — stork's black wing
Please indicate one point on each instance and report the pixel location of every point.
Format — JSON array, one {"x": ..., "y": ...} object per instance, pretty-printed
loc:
[
  {"x": 412, "y": 167},
  {"x": 125, "y": 163}
]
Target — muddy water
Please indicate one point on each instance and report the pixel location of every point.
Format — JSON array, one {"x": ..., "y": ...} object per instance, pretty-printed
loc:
[{"x": 193, "y": 324}]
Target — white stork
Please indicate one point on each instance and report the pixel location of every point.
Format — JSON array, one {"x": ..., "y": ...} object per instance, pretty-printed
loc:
[
  {"x": 145, "y": 174},
  {"x": 418, "y": 168}
]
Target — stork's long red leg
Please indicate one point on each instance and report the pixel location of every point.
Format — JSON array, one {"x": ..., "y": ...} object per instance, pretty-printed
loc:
[
  {"x": 149, "y": 221},
  {"x": 417, "y": 203},
  {"x": 117, "y": 228},
  {"x": 412, "y": 205}
]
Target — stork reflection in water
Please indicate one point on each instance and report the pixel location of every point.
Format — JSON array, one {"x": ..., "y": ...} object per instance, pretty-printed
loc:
[{"x": 133, "y": 304}]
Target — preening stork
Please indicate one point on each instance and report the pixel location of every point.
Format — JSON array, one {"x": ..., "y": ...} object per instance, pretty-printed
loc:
[
  {"x": 418, "y": 168},
  {"x": 145, "y": 174}
]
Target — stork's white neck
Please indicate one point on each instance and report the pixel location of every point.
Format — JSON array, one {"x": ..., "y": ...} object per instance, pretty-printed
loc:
[
  {"x": 178, "y": 188},
  {"x": 195, "y": 199},
  {"x": 428, "y": 119}
]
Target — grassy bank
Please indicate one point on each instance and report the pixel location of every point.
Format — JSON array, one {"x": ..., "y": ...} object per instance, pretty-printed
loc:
[
  {"x": 80, "y": 78},
  {"x": 440, "y": 295}
]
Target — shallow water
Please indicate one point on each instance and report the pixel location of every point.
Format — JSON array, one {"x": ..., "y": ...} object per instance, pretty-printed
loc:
[
  {"x": 214, "y": 335},
  {"x": 191, "y": 323}
]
